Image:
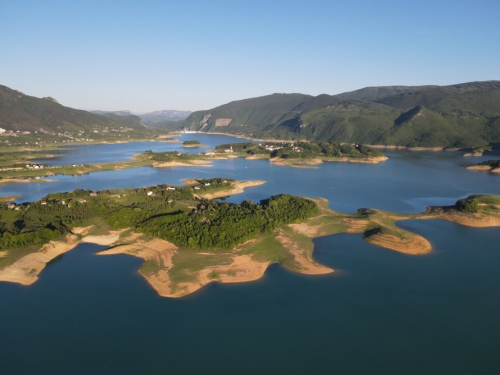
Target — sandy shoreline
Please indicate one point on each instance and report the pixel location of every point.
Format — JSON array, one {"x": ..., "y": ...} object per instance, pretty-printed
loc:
[
  {"x": 304, "y": 163},
  {"x": 194, "y": 146},
  {"x": 25, "y": 271},
  {"x": 483, "y": 168}
]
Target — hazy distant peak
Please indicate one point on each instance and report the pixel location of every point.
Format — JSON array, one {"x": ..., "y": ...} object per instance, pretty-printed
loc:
[{"x": 157, "y": 117}]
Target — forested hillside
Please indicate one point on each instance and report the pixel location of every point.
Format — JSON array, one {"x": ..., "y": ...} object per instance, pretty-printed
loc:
[
  {"x": 47, "y": 118},
  {"x": 463, "y": 115}
]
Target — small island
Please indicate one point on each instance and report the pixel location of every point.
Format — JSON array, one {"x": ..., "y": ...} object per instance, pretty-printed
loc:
[
  {"x": 492, "y": 166},
  {"x": 187, "y": 239},
  {"x": 303, "y": 154},
  {"x": 192, "y": 144}
]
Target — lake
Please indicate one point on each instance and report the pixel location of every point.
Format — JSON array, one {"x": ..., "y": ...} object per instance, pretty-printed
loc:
[{"x": 380, "y": 312}]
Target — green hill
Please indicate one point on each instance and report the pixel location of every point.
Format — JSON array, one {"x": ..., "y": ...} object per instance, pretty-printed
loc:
[
  {"x": 464, "y": 115},
  {"x": 48, "y": 119}
]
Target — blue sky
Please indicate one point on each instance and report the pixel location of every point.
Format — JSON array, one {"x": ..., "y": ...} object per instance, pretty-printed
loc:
[{"x": 190, "y": 55}]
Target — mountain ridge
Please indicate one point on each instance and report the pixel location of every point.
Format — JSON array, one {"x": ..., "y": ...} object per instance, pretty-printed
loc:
[{"x": 460, "y": 115}]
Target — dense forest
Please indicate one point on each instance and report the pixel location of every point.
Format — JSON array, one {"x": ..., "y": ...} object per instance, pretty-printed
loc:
[
  {"x": 173, "y": 213},
  {"x": 217, "y": 224}
]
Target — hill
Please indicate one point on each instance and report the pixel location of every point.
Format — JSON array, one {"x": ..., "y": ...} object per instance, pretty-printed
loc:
[
  {"x": 29, "y": 116},
  {"x": 463, "y": 115},
  {"x": 123, "y": 117}
]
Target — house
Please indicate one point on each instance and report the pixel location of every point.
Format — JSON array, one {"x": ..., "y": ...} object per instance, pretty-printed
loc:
[
  {"x": 43, "y": 203},
  {"x": 170, "y": 188},
  {"x": 11, "y": 205},
  {"x": 207, "y": 184},
  {"x": 224, "y": 182},
  {"x": 150, "y": 193},
  {"x": 63, "y": 202},
  {"x": 82, "y": 200},
  {"x": 93, "y": 194},
  {"x": 170, "y": 201},
  {"x": 229, "y": 150},
  {"x": 196, "y": 188}
]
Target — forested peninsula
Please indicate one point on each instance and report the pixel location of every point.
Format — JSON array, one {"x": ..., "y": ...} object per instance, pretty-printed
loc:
[{"x": 188, "y": 240}]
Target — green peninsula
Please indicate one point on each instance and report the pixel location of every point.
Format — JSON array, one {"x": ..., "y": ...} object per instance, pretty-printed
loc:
[
  {"x": 188, "y": 240},
  {"x": 16, "y": 166}
]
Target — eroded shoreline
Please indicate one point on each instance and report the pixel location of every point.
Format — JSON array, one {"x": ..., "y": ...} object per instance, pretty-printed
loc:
[{"x": 176, "y": 272}]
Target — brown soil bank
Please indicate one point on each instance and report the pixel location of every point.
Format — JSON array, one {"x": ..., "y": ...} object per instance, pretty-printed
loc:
[
  {"x": 484, "y": 168},
  {"x": 177, "y": 272}
]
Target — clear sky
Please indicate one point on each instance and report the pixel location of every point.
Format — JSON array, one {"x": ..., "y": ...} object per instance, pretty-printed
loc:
[{"x": 188, "y": 55}]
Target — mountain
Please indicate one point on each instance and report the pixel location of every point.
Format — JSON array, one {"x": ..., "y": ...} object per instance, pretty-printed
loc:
[
  {"x": 462, "y": 115},
  {"x": 123, "y": 117},
  {"x": 161, "y": 118},
  {"x": 24, "y": 113}
]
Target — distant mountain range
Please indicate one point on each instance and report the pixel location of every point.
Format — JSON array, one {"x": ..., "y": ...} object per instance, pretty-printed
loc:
[
  {"x": 462, "y": 115},
  {"x": 156, "y": 118}
]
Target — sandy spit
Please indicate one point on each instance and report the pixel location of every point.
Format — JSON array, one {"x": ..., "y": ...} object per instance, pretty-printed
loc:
[
  {"x": 413, "y": 244},
  {"x": 192, "y": 163},
  {"x": 237, "y": 188},
  {"x": 4, "y": 181}
]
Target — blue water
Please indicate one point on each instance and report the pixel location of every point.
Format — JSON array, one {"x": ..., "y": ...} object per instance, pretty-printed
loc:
[
  {"x": 380, "y": 312},
  {"x": 105, "y": 153}
]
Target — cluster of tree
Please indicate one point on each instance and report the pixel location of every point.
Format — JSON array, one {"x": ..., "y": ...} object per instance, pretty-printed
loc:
[
  {"x": 191, "y": 143},
  {"x": 308, "y": 150},
  {"x": 237, "y": 147},
  {"x": 223, "y": 225},
  {"x": 169, "y": 156},
  {"x": 491, "y": 163},
  {"x": 467, "y": 205}
]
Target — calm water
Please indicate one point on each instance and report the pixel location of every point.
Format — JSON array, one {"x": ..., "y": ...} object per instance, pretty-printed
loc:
[
  {"x": 105, "y": 153},
  {"x": 381, "y": 312}
]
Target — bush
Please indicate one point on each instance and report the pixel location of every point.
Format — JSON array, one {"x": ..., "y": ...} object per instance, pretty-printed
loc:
[{"x": 467, "y": 205}]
